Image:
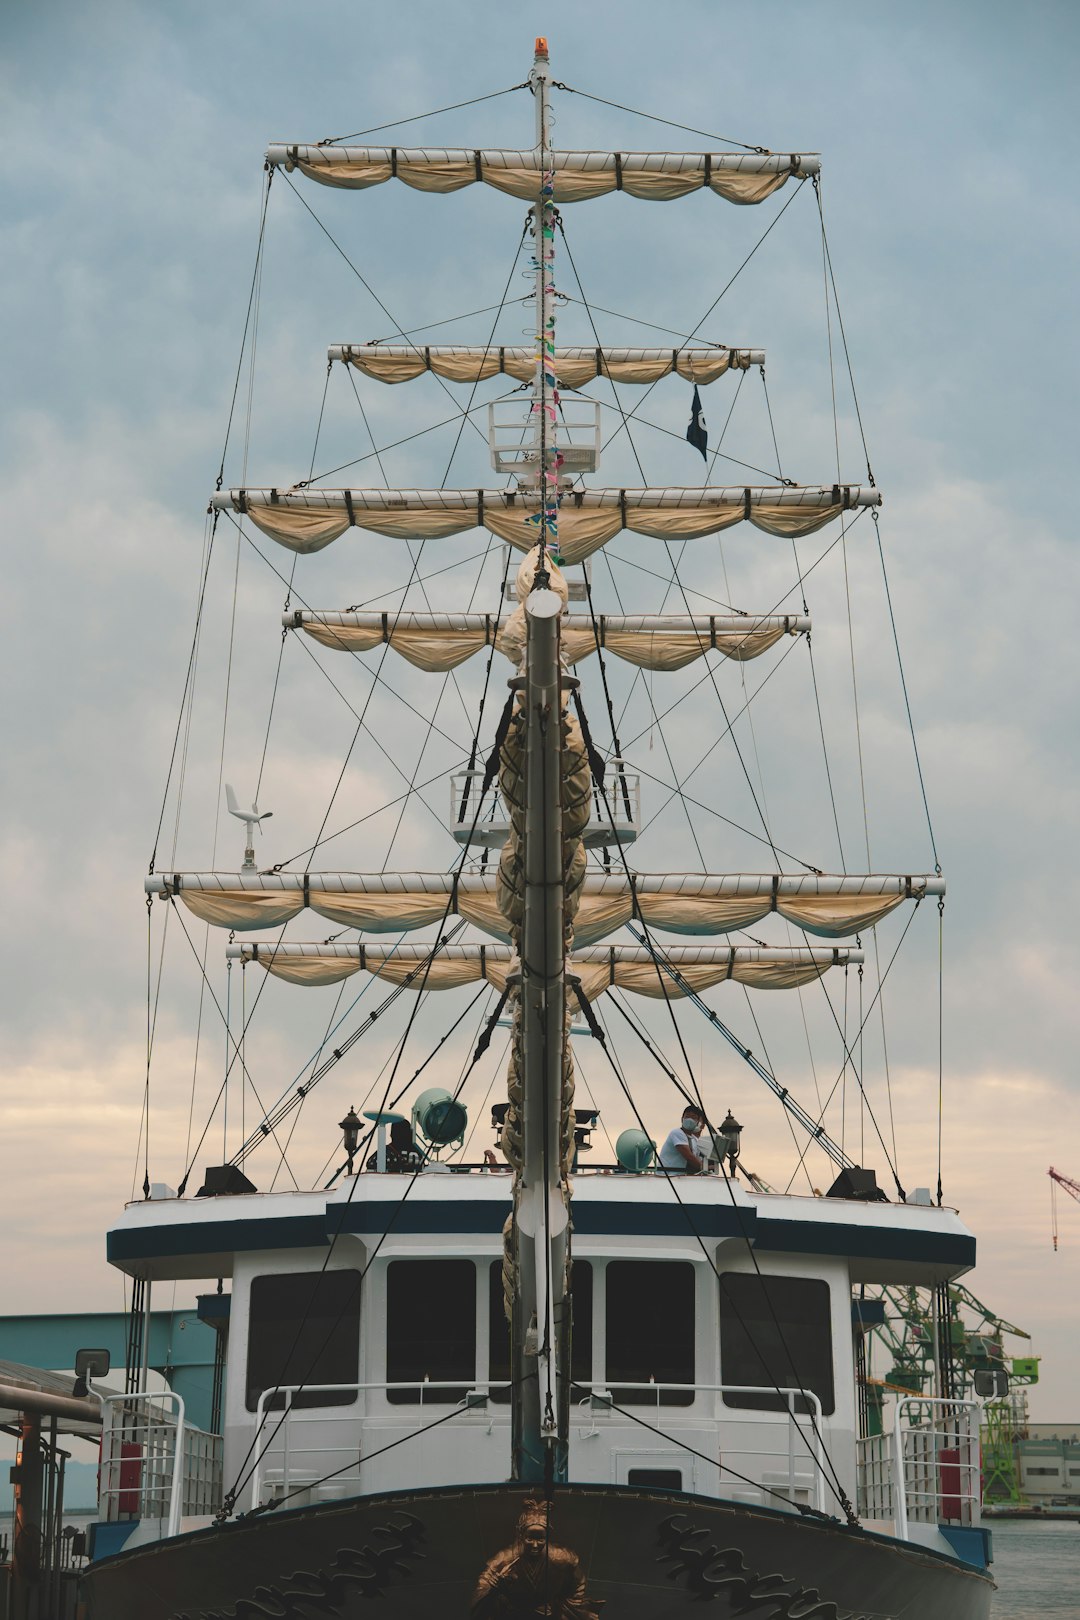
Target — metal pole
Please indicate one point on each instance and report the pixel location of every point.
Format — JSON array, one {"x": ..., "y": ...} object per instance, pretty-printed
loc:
[
  {"x": 541, "y": 1218},
  {"x": 26, "y": 1548},
  {"x": 58, "y": 1555},
  {"x": 144, "y": 1377},
  {"x": 50, "y": 1528}
]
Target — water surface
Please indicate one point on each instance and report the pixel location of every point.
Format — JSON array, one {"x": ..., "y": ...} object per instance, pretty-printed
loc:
[{"x": 1037, "y": 1569}]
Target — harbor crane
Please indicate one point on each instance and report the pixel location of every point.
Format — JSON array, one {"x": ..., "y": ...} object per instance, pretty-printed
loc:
[{"x": 1071, "y": 1187}]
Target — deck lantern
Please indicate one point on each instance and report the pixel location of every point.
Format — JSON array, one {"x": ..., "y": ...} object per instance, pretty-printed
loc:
[
  {"x": 727, "y": 1141},
  {"x": 350, "y": 1130}
]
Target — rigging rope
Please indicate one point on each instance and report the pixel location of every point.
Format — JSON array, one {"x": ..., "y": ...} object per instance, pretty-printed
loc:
[
  {"x": 941, "y": 1038},
  {"x": 594, "y": 1025},
  {"x": 830, "y": 285},
  {"x": 398, "y": 331},
  {"x": 877, "y": 994},
  {"x": 241, "y": 1478},
  {"x": 625, "y": 426},
  {"x": 728, "y": 140},
  {"x": 450, "y": 320},
  {"x": 907, "y": 700},
  {"x": 230, "y": 1041},
  {"x": 452, "y": 675},
  {"x": 187, "y": 696},
  {"x": 653, "y": 326},
  {"x": 725, "y": 289},
  {"x": 297, "y": 1095},
  {"x": 375, "y": 676},
  {"x": 387, "y": 753},
  {"x": 360, "y": 724},
  {"x": 487, "y": 348},
  {"x": 416, "y": 118},
  {"x": 395, "y": 444},
  {"x": 229, "y": 1500},
  {"x": 599, "y": 1034},
  {"x": 814, "y": 1128},
  {"x": 255, "y": 279},
  {"x": 673, "y": 1439},
  {"x": 717, "y": 740}
]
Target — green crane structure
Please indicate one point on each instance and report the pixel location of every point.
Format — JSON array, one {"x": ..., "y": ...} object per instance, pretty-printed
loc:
[{"x": 970, "y": 1341}]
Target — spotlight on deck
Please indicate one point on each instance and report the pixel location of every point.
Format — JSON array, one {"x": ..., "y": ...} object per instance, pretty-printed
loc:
[
  {"x": 439, "y": 1119},
  {"x": 635, "y": 1151}
]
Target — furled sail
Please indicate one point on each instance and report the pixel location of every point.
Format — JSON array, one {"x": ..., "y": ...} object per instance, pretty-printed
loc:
[
  {"x": 397, "y": 363},
  {"x": 597, "y": 967},
  {"x": 308, "y": 519},
  {"x": 740, "y": 177},
  {"x": 441, "y": 641},
  {"x": 677, "y": 902}
]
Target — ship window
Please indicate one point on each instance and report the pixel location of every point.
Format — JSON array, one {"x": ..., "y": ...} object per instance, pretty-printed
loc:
[
  {"x": 776, "y": 1331},
  {"x": 668, "y": 1479},
  {"x": 304, "y": 1328},
  {"x": 650, "y": 1331},
  {"x": 499, "y": 1329},
  {"x": 430, "y": 1329}
]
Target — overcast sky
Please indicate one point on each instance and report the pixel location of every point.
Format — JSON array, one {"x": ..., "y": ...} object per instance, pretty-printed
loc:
[{"x": 133, "y": 181}]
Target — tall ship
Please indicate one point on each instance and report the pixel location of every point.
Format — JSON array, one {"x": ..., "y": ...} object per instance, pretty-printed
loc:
[{"x": 546, "y": 1376}]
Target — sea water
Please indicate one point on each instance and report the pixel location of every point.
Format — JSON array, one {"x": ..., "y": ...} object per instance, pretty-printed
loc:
[{"x": 1037, "y": 1569}]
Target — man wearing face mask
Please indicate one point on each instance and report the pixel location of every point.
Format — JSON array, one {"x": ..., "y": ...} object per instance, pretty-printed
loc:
[{"x": 679, "y": 1151}]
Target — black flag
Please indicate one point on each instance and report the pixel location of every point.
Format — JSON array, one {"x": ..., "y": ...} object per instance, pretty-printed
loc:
[{"x": 695, "y": 433}]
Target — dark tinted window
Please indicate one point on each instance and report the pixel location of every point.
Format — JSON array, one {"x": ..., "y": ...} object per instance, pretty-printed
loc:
[
  {"x": 666, "y": 1478},
  {"x": 304, "y": 1329},
  {"x": 650, "y": 1330},
  {"x": 430, "y": 1327},
  {"x": 775, "y": 1331},
  {"x": 581, "y": 1278}
]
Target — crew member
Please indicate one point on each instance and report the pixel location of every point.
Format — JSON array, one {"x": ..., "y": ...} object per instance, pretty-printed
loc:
[{"x": 681, "y": 1148}]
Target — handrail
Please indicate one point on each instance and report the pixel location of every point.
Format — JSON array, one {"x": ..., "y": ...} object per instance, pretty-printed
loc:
[
  {"x": 111, "y": 1462},
  {"x": 289, "y": 1390},
  {"x": 953, "y": 1406},
  {"x": 789, "y": 1417},
  {"x": 596, "y": 1389}
]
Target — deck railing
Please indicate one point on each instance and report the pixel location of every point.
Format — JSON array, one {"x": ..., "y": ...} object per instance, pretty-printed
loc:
[
  {"x": 800, "y": 1473},
  {"x": 796, "y": 1473},
  {"x": 926, "y": 1469},
  {"x": 276, "y": 1437},
  {"x": 155, "y": 1465},
  {"x": 615, "y": 818}
]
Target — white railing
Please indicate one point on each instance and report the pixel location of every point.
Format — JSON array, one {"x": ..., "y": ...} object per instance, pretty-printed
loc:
[
  {"x": 615, "y": 818},
  {"x": 927, "y": 1469},
  {"x": 513, "y": 449},
  {"x": 277, "y": 1441},
  {"x": 802, "y": 1444},
  {"x": 155, "y": 1465},
  {"x": 284, "y": 1465},
  {"x": 202, "y": 1474}
]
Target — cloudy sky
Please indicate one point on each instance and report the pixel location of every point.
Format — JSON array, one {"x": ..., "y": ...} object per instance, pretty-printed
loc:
[{"x": 133, "y": 191}]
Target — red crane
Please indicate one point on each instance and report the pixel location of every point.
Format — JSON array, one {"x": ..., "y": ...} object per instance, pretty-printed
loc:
[{"x": 1071, "y": 1187}]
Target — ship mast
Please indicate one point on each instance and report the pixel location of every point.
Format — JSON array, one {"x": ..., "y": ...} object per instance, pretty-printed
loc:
[{"x": 541, "y": 1217}]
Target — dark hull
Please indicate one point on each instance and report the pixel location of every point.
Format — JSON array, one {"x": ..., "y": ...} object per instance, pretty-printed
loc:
[{"x": 626, "y": 1554}]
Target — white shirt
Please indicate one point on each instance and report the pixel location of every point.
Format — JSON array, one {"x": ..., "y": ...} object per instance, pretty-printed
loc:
[{"x": 670, "y": 1157}]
